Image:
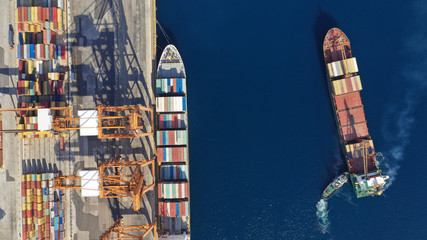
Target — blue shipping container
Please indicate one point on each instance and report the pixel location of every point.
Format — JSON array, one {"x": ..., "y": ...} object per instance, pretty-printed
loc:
[
  {"x": 20, "y": 51},
  {"x": 32, "y": 51},
  {"x": 21, "y": 39}
]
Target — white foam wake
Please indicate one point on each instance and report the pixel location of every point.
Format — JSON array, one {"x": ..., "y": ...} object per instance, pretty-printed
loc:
[{"x": 322, "y": 215}]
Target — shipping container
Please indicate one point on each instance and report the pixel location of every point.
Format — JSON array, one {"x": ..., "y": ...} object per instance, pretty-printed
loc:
[
  {"x": 339, "y": 68},
  {"x": 172, "y": 154},
  {"x": 348, "y": 101},
  {"x": 173, "y": 190},
  {"x": 172, "y": 137},
  {"x": 354, "y": 131},
  {"x": 171, "y": 104},
  {"x": 173, "y": 209},
  {"x": 171, "y": 85},
  {"x": 347, "y": 85},
  {"x": 19, "y": 50},
  {"x": 172, "y": 121},
  {"x": 32, "y": 51},
  {"x": 174, "y": 172}
]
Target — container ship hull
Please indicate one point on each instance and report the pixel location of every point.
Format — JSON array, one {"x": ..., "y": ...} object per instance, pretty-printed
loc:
[
  {"x": 344, "y": 87},
  {"x": 173, "y": 196}
]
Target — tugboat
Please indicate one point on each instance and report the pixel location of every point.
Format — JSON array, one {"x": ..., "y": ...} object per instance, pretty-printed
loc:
[{"x": 335, "y": 185}]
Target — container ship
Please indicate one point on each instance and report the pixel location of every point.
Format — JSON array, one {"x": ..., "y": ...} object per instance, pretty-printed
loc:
[
  {"x": 344, "y": 87},
  {"x": 172, "y": 147}
]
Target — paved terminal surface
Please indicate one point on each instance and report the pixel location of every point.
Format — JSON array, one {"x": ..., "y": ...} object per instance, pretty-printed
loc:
[{"x": 112, "y": 57}]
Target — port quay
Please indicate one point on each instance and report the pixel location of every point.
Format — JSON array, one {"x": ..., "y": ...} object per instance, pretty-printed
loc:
[{"x": 73, "y": 57}]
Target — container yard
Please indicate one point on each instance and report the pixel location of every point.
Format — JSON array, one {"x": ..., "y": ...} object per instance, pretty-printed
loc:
[{"x": 63, "y": 129}]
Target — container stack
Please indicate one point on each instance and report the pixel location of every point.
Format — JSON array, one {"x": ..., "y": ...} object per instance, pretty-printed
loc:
[
  {"x": 41, "y": 53},
  {"x": 41, "y": 207},
  {"x": 172, "y": 148}
]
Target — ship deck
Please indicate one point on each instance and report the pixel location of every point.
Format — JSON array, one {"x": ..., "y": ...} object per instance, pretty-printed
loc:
[{"x": 336, "y": 46}]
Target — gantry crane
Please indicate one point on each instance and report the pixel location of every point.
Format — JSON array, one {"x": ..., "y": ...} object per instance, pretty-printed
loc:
[
  {"x": 111, "y": 121},
  {"x": 139, "y": 232},
  {"x": 116, "y": 179}
]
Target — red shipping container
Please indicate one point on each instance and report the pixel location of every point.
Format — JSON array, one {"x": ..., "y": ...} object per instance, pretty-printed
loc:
[
  {"x": 51, "y": 51},
  {"x": 54, "y": 14},
  {"x": 21, "y": 65},
  {"x": 28, "y": 184},
  {"x": 24, "y": 235},
  {"x": 63, "y": 52},
  {"x": 29, "y": 227},
  {"x": 42, "y": 52},
  {"x": 38, "y": 184},
  {"x": 20, "y": 27},
  {"x": 24, "y": 214},
  {"x": 60, "y": 87},
  {"x": 25, "y": 9},
  {"x": 46, "y": 15},
  {"x": 40, "y": 14},
  {"x": 183, "y": 209},
  {"x": 19, "y": 14},
  {"x": 29, "y": 213}
]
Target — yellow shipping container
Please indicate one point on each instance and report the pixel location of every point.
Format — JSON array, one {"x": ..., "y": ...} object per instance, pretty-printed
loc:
[
  {"x": 24, "y": 207},
  {"x": 35, "y": 15},
  {"x": 29, "y": 221},
  {"x": 30, "y": 64},
  {"x": 39, "y": 192},
  {"x": 41, "y": 221},
  {"x": 32, "y": 28},
  {"x": 59, "y": 15},
  {"x": 23, "y": 178},
  {"x": 39, "y": 206},
  {"x": 26, "y": 26},
  {"x": 29, "y": 192},
  {"x": 38, "y": 28},
  {"x": 39, "y": 177},
  {"x": 28, "y": 176}
]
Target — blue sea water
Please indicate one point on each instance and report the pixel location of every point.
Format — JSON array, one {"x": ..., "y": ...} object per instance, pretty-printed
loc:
[{"x": 263, "y": 139}]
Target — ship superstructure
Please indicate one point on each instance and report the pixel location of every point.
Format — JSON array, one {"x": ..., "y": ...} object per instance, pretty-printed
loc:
[{"x": 344, "y": 86}]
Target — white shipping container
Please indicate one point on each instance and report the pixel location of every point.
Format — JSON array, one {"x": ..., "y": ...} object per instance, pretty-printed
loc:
[{"x": 171, "y": 104}]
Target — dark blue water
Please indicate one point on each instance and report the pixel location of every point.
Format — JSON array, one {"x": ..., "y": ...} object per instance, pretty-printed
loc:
[{"x": 262, "y": 133}]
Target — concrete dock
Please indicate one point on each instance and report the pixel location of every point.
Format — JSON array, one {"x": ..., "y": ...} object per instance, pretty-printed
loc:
[{"x": 112, "y": 56}]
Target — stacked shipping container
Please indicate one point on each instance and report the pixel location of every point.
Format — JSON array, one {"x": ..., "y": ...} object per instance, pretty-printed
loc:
[
  {"x": 172, "y": 147},
  {"x": 41, "y": 55},
  {"x": 42, "y": 207}
]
